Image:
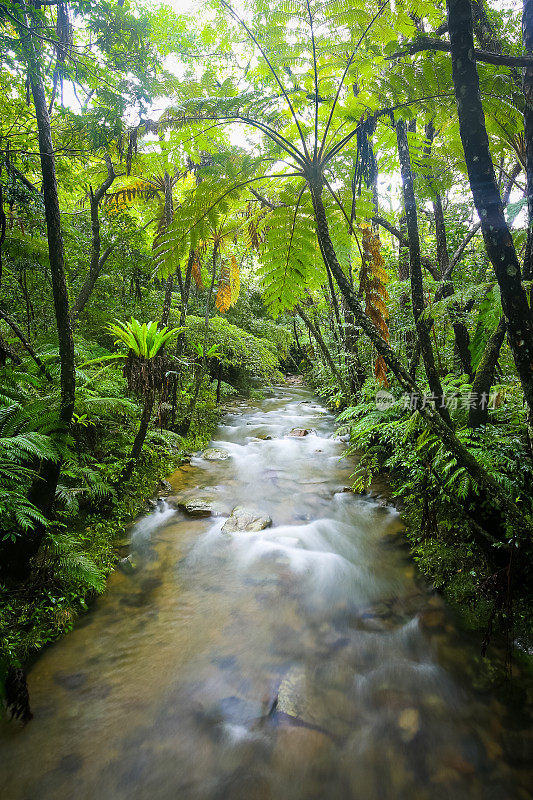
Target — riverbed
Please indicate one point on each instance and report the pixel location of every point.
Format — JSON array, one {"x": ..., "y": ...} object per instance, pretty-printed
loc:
[{"x": 304, "y": 661}]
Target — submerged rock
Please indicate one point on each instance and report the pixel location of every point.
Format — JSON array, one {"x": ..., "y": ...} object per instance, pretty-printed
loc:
[
  {"x": 215, "y": 454},
  {"x": 127, "y": 564},
  {"x": 409, "y": 723},
  {"x": 297, "y": 432},
  {"x": 301, "y": 749},
  {"x": 244, "y": 519}
]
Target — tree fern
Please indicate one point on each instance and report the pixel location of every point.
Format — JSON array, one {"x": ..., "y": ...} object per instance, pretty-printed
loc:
[{"x": 290, "y": 256}]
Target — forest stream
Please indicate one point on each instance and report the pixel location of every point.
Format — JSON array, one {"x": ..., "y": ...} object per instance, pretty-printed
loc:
[{"x": 303, "y": 661}]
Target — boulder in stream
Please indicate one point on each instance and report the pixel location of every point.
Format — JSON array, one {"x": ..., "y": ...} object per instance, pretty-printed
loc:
[
  {"x": 244, "y": 519},
  {"x": 215, "y": 454},
  {"x": 196, "y": 503},
  {"x": 298, "y": 432}
]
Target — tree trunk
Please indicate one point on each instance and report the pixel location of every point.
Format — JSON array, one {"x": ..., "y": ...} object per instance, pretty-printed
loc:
[
  {"x": 502, "y": 506},
  {"x": 97, "y": 261},
  {"x": 315, "y": 331},
  {"x": 462, "y": 341},
  {"x": 498, "y": 240},
  {"x": 169, "y": 286},
  {"x": 140, "y": 437},
  {"x": 42, "y": 493},
  {"x": 167, "y": 219},
  {"x": 356, "y": 372},
  {"x": 417, "y": 288},
  {"x": 527, "y": 39}
]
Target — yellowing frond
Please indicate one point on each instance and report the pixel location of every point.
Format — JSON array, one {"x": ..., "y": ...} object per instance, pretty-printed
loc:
[
  {"x": 372, "y": 288},
  {"x": 235, "y": 280}
]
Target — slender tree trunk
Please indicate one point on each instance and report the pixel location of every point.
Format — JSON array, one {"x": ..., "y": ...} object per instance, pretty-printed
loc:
[
  {"x": 356, "y": 372},
  {"x": 498, "y": 240},
  {"x": 25, "y": 343},
  {"x": 417, "y": 288},
  {"x": 42, "y": 493},
  {"x": 138, "y": 442},
  {"x": 203, "y": 366},
  {"x": 446, "y": 288},
  {"x": 462, "y": 337},
  {"x": 97, "y": 260},
  {"x": 462, "y": 341},
  {"x": 219, "y": 379},
  {"x": 185, "y": 288},
  {"x": 167, "y": 220},
  {"x": 315, "y": 331},
  {"x": 169, "y": 286}
]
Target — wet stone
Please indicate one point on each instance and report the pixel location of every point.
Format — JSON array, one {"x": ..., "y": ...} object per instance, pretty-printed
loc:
[
  {"x": 225, "y": 662},
  {"x": 518, "y": 747},
  {"x": 197, "y": 504},
  {"x": 243, "y": 519},
  {"x": 298, "y": 432},
  {"x": 127, "y": 565},
  {"x": 409, "y": 723},
  {"x": 215, "y": 454},
  {"x": 300, "y": 748},
  {"x": 432, "y": 619}
]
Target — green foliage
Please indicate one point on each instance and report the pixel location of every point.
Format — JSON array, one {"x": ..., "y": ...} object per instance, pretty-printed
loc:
[
  {"x": 236, "y": 348},
  {"x": 290, "y": 257},
  {"x": 433, "y": 489},
  {"x": 144, "y": 341},
  {"x": 487, "y": 320},
  {"x": 21, "y": 445}
]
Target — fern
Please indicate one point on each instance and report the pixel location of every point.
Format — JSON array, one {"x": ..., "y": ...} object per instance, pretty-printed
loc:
[
  {"x": 71, "y": 563},
  {"x": 488, "y": 317},
  {"x": 290, "y": 256},
  {"x": 21, "y": 447}
]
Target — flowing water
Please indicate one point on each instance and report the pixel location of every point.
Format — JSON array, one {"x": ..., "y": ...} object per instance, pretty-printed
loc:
[{"x": 305, "y": 661}]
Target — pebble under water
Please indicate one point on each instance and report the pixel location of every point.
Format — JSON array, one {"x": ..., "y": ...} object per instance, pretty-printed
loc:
[{"x": 305, "y": 661}]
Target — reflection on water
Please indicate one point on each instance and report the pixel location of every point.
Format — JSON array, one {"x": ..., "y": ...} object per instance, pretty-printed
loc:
[{"x": 303, "y": 661}]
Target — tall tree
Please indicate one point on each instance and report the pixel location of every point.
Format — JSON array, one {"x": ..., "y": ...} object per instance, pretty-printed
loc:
[
  {"x": 498, "y": 240},
  {"x": 43, "y": 491}
]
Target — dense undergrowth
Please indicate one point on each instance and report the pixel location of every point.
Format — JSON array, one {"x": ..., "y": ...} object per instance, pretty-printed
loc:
[
  {"x": 94, "y": 504},
  {"x": 438, "y": 499}
]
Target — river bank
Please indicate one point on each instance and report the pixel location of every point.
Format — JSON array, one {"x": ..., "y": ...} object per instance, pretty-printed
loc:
[{"x": 308, "y": 659}]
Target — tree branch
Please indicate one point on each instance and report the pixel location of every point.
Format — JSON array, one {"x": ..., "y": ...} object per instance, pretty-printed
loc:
[
  {"x": 498, "y": 59},
  {"x": 27, "y": 346}
]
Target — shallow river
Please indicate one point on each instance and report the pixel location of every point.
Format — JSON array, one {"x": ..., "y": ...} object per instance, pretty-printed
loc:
[{"x": 306, "y": 661}]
